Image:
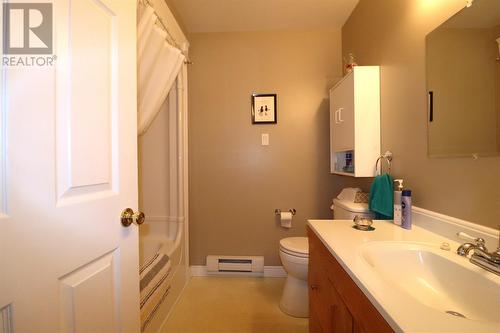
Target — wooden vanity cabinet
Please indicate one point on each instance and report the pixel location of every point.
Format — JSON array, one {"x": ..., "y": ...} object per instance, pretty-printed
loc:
[{"x": 336, "y": 304}]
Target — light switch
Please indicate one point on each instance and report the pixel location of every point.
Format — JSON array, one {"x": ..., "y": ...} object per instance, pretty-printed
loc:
[{"x": 265, "y": 139}]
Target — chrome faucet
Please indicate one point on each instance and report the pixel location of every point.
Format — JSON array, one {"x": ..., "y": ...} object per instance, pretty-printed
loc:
[
  {"x": 488, "y": 261},
  {"x": 464, "y": 249},
  {"x": 480, "y": 257}
]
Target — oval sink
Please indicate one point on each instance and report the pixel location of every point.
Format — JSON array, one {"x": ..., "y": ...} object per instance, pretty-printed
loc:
[{"x": 438, "y": 279}]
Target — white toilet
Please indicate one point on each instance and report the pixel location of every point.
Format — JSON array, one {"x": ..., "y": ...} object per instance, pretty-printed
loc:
[
  {"x": 294, "y": 254},
  {"x": 347, "y": 210}
]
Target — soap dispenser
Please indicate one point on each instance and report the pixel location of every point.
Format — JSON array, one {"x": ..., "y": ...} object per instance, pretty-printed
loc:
[{"x": 398, "y": 210}]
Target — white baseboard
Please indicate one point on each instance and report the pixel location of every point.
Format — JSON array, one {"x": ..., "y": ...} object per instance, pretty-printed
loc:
[
  {"x": 274, "y": 271},
  {"x": 198, "y": 270},
  {"x": 269, "y": 271}
]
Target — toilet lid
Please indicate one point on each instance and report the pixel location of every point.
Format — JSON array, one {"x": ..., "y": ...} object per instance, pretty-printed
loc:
[{"x": 295, "y": 246}]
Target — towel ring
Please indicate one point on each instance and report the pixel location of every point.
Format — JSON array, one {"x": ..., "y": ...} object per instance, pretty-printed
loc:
[{"x": 387, "y": 156}]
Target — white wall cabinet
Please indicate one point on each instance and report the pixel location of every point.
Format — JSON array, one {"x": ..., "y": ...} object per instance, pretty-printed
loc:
[{"x": 355, "y": 123}]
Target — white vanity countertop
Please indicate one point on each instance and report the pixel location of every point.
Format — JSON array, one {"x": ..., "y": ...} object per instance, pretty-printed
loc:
[{"x": 401, "y": 310}]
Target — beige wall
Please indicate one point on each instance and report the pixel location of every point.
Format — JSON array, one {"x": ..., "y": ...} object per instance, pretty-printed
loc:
[
  {"x": 391, "y": 33},
  {"x": 235, "y": 183},
  {"x": 154, "y": 189},
  {"x": 154, "y": 183}
]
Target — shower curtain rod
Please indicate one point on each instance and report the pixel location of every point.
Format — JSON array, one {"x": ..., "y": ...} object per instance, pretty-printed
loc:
[{"x": 172, "y": 40}]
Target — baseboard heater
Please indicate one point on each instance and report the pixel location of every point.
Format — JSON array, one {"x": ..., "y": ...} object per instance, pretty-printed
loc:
[{"x": 236, "y": 264}]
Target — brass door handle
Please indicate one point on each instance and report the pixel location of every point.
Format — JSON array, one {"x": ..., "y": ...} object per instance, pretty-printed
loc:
[{"x": 128, "y": 217}]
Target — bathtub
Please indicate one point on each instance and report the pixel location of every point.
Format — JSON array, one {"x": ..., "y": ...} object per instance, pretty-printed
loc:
[
  {"x": 163, "y": 196},
  {"x": 166, "y": 237}
]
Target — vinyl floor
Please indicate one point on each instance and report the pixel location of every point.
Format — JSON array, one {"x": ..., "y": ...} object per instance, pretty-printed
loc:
[{"x": 232, "y": 305}]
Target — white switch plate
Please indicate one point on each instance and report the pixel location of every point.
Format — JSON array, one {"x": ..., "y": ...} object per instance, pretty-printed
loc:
[{"x": 265, "y": 139}]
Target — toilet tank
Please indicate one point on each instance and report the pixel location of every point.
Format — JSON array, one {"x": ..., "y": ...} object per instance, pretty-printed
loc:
[{"x": 347, "y": 210}]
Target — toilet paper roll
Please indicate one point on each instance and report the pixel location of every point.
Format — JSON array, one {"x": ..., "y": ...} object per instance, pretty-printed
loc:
[{"x": 286, "y": 219}]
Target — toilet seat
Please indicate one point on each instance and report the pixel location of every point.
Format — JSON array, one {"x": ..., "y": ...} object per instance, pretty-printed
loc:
[{"x": 295, "y": 246}]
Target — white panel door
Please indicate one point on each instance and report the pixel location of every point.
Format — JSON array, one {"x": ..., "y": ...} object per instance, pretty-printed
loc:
[{"x": 68, "y": 167}]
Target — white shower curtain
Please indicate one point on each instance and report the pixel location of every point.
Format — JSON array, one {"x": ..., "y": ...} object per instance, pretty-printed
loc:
[{"x": 159, "y": 64}]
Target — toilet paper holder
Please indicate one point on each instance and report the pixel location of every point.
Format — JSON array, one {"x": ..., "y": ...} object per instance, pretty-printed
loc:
[{"x": 277, "y": 211}]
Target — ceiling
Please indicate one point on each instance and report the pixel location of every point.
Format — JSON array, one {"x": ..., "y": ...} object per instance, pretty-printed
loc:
[
  {"x": 482, "y": 14},
  {"x": 259, "y": 15}
]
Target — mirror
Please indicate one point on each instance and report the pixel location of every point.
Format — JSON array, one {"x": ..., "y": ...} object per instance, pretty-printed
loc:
[{"x": 463, "y": 83}]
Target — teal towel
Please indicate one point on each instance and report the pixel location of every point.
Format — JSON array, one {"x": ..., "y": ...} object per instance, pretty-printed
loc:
[{"x": 382, "y": 197}]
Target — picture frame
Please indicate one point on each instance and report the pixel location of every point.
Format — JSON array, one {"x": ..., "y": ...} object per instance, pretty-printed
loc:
[{"x": 264, "y": 109}]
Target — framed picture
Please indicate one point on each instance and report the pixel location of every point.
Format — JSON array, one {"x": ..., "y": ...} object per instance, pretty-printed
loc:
[{"x": 264, "y": 109}]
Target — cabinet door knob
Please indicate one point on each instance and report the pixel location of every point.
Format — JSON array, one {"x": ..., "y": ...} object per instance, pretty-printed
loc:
[{"x": 314, "y": 287}]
